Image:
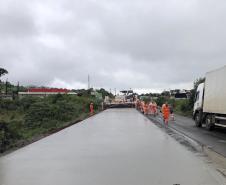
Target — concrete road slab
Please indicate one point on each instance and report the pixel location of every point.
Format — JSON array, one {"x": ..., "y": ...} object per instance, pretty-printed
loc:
[
  {"x": 215, "y": 139},
  {"x": 115, "y": 147}
]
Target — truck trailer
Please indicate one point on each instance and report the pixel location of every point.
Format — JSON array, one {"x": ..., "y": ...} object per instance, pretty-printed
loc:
[{"x": 210, "y": 100}]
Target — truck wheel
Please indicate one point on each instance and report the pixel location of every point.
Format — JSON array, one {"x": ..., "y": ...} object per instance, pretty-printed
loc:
[
  {"x": 198, "y": 121},
  {"x": 209, "y": 122}
]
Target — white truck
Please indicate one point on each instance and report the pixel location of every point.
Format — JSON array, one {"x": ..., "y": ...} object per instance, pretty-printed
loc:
[{"x": 210, "y": 100}]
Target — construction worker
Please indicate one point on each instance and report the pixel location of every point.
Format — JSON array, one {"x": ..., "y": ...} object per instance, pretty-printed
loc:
[
  {"x": 154, "y": 105},
  {"x": 145, "y": 108},
  {"x": 142, "y": 106},
  {"x": 91, "y": 109},
  {"x": 150, "y": 108},
  {"x": 166, "y": 113},
  {"x": 136, "y": 103}
]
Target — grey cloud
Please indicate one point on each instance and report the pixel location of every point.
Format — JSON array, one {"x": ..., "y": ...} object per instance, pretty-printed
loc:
[
  {"x": 144, "y": 44},
  {"x": 16, "y": 20}
]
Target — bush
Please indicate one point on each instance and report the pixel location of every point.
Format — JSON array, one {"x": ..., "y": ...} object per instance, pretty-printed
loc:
[
  {"x": 57, "y": 109},
  {"x": 38, "y": 114},
  {"x": 8, "y": 104},
  {"x": 27, "y": 101},
  {"x": 8, "y": 133},
  {"x": 183, "y": 107}
]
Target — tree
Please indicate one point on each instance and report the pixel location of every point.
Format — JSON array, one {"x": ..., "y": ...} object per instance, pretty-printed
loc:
[
  {"x": 197, "y": 82},
  {"x": 165, "y": 93},
  {"x": 3, "y": 71},
  {"x": 193, "y": 91},
  {"x": 105, "y": 93}
]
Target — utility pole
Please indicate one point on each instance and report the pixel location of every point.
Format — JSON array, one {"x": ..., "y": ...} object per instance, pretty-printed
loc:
[
  {"x": 88, "y": 82},
  {"x": 18, "y": 87},
  {"x": 115, "y": 91}
]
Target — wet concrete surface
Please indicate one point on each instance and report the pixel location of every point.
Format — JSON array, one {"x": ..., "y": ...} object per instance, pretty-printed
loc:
[
  {"x": 216, "y": 139},
  {"x": 115, "y": 147}
]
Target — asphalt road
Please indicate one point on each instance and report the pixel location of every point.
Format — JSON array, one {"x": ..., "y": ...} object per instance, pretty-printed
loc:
[
  {"x": 216, "y": 139},
  {"x": 115, "y": 147}
]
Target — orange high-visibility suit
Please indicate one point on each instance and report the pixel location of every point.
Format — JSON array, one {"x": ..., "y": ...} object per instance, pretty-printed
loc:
[
  {"x": 150, "y": 108},
  {"x": 145, "y": 108},
  {"x": 165, "y": 113},
  {"x": 91, "y": 108}
]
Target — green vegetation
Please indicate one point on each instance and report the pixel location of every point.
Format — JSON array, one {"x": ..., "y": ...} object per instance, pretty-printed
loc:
[{"x": 23, "y": 120}]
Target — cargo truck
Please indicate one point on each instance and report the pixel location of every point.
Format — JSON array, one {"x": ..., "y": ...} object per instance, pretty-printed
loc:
[{"x": 210, "y": 100}]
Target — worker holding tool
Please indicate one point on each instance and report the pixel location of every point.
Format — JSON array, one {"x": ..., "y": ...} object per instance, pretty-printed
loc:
[{"x": 166, "y": 113}]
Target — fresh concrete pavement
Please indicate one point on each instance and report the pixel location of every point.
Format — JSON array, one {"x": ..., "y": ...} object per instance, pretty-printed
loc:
[
  {"x": 209, "y": 143},
  {"x": 215, "y": 140},
  {"x": 115, "y": 147}
]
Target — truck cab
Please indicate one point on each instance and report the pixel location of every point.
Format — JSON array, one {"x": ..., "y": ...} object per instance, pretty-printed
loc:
[
  {"x": 199, "y": 95},
  {"x": 198, "y": 105}
]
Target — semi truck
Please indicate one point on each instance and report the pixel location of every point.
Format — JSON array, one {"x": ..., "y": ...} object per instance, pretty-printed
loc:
[{"x": 210, "y": 100}]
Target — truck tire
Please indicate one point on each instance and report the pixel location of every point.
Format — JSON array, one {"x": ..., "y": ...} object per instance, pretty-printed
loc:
[
  {"x": 209, "y": 122},
  {"x": 198, "y": 119}
]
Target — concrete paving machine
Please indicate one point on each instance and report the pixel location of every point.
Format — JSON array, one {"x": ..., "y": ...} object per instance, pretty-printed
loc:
[{"x": 125, "y": 99}]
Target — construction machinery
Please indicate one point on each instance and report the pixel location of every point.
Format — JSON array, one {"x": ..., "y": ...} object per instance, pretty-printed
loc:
[{"x": 125, "y": 99}]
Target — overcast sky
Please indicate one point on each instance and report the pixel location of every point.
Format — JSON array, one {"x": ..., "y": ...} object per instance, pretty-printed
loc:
[{"x": 143, "y": 44}]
